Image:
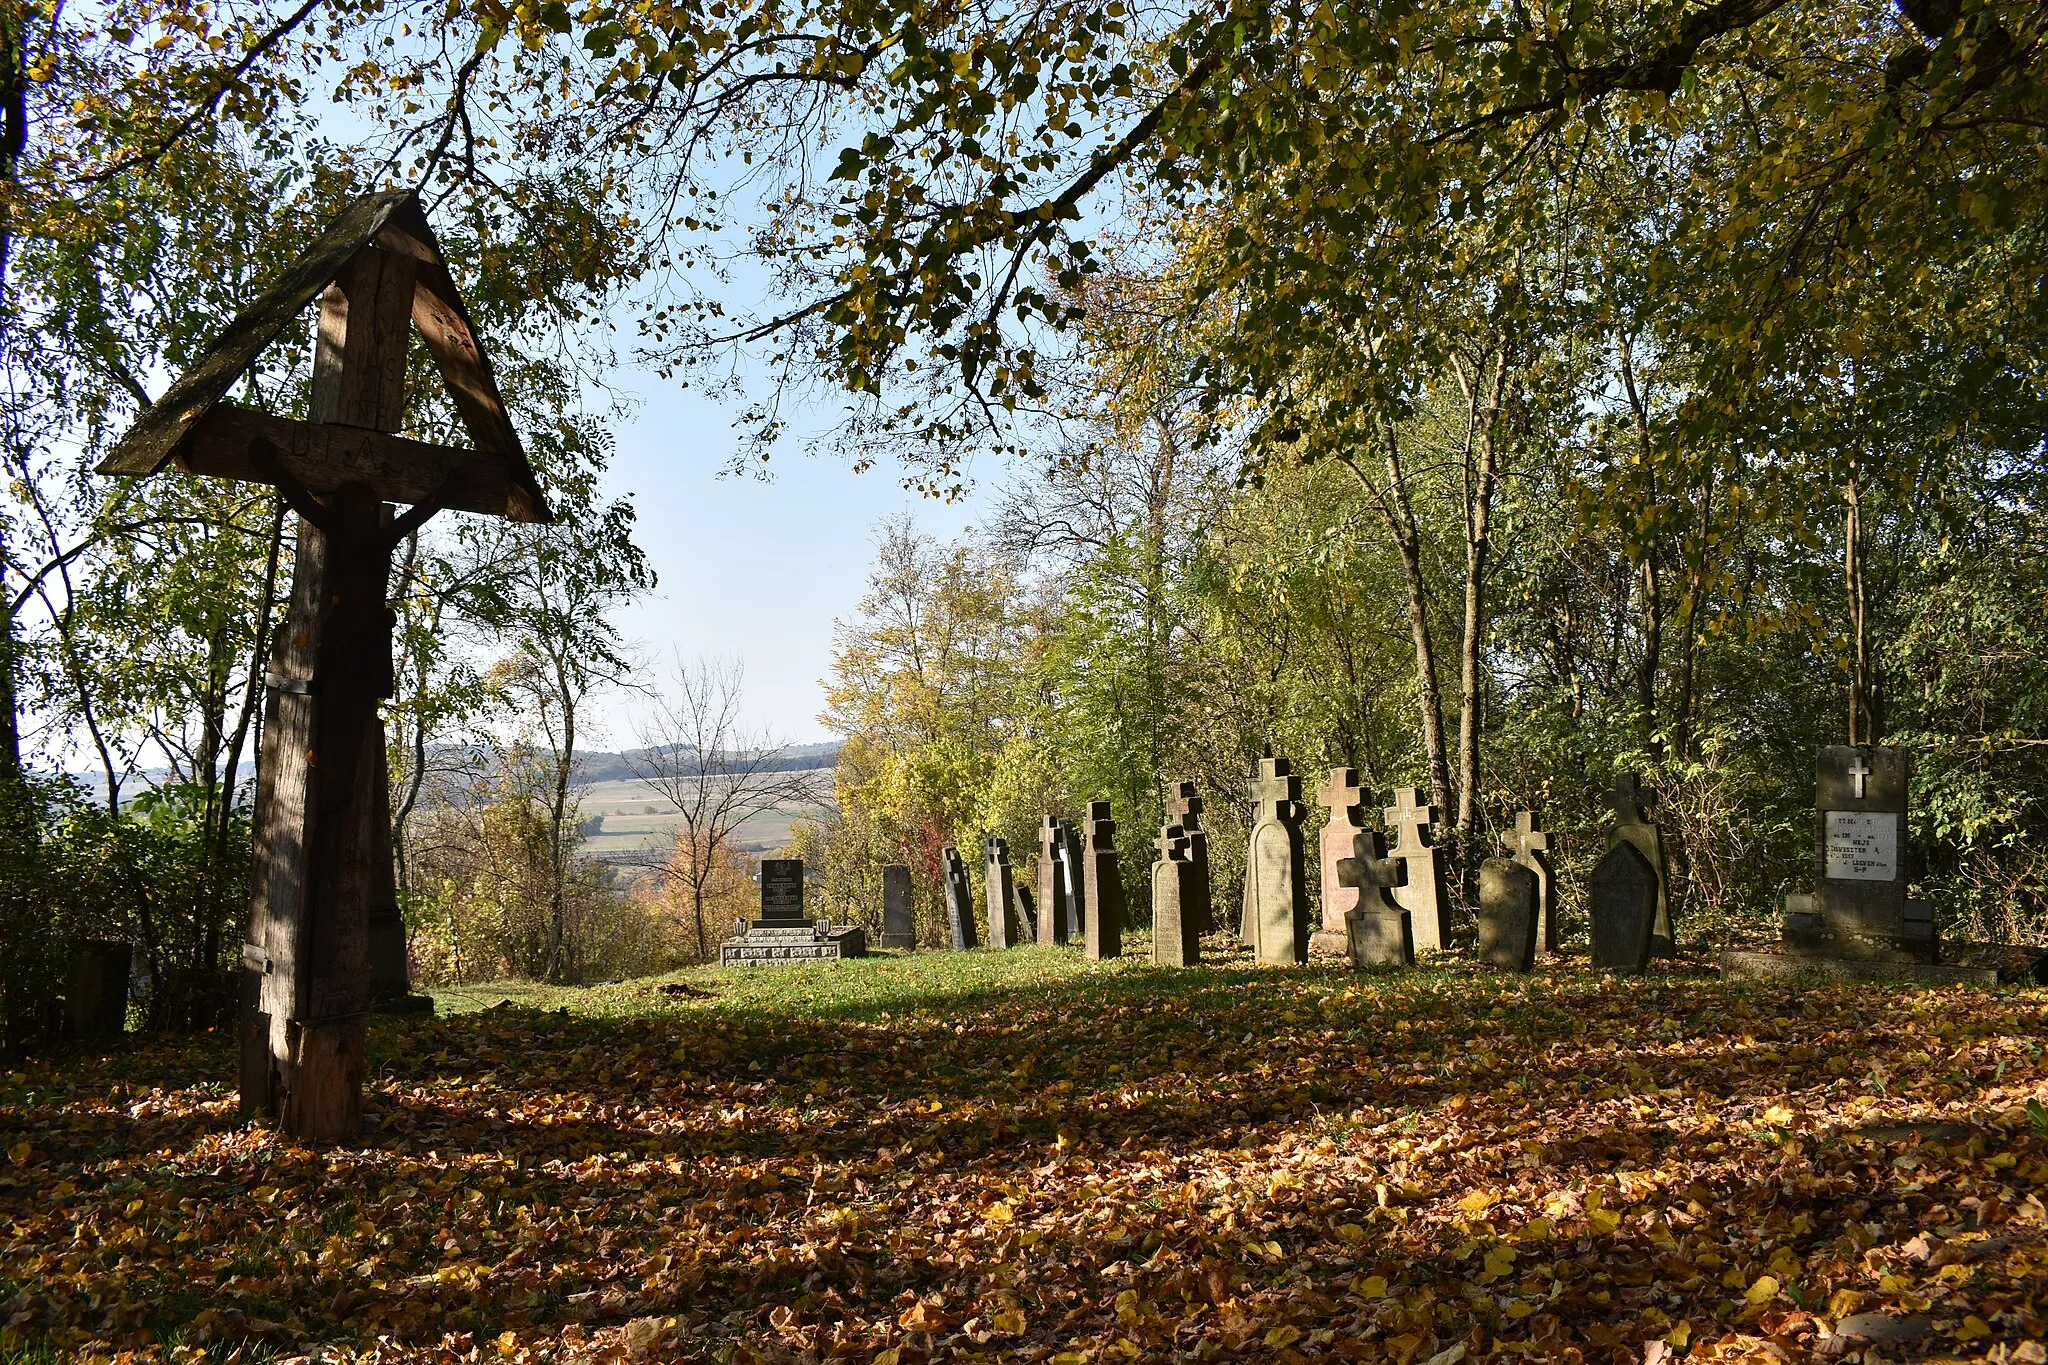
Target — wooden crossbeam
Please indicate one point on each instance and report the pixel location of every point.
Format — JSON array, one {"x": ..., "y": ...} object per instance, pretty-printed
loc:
[{"x": 323, "y": 457}]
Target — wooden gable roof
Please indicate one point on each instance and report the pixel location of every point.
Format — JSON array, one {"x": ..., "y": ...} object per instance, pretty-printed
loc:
[{"x": 193, "y": 426}]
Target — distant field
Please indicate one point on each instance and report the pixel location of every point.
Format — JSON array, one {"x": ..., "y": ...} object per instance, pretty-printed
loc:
[{"x": 638, "y": 819}]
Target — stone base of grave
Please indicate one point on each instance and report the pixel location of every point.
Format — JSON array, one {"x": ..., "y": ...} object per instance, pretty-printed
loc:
[
  {"x": 1737, "y": 965},
  {"x": 766, "y": 945},
  {"x": 899, "y": 943},
  {"x": 403, "y": 1005},
  {"x": 1808, "y": 933},
  {"x": 1329, "y": 943}
]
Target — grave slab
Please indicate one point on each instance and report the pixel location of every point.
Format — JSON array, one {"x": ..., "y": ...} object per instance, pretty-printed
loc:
[
  {"x": 785, "y": 932},
  {"x": 1424, "y": 891},
  {"x": 1530, "y": 846},
  {"x": 1174, "y": 941},
  {"x": 1508, "y": 895},
  {"x": 1276, "y": 912},
  {"x": 1105, "y": 886},
  {"x": 899, "y": 923},
  {"x": 1622, "y": 896},
  {"x": 1345, "y": 800},
  {"x": 1184, "y": 808},
  {"x": 1052, "y": 885}
]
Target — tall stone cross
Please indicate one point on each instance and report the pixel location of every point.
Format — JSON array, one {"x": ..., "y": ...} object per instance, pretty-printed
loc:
[
  {"x": 1052, "y": 883},
  {"x": 379, "y": 274},
  {"x": 1530, "y": 847},
  {"x": 1276, "y": 913},
  {"x": 1345, "y": 800},
  {"x": 1424, "y": 890},
  {"x": 1634, "y": 825},
  {"x": 1184, "y": 808}
]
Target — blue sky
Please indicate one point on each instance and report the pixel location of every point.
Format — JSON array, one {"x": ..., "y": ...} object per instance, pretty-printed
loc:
[{"x": 752, "y": 570}]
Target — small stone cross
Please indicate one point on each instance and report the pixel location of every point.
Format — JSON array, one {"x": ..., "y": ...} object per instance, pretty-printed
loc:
[
  {"x": 1343, "y": 796},
  {"x": 1525, "y": 838},
  {"x": 1858, "y": 771},
  {"x": 1628, "y": 799},
  {"x": 1172, "y": 843},
  {"x": 1275, "y": 783},
  {"x": 1410, "y": 817}
]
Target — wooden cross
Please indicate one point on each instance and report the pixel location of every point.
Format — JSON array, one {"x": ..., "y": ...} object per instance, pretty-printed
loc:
[
  {"x": 1342, "y": 794},
  {"x": 1858, "y": 771},
  {"x": 1525, "y": 838},
  {"x": 378, "y": 273},
  {"x": 1172, "y": 844},
  {"x": 1274, "y": 786}
]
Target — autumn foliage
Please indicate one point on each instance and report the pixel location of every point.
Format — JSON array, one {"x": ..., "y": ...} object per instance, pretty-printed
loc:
[{"x": 1026, "y": 1157}]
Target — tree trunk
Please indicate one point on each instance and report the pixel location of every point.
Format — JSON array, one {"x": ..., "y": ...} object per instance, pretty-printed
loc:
[{"x": 1485, "y": 446}]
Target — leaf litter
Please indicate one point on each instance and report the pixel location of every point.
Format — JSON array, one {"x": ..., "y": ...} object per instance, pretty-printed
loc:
[{"x": 1091, "y": 1165}]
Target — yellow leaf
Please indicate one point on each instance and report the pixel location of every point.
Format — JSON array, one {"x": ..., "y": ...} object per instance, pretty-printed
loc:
[
  {"x": 1778, "y": 1116},
  {"x": 888, "y": 1357},
  {"x": 1479, "y": 1201},
  {"x": 1602, "y": 1221},
  {"x": 1350, "y": 1233},
  {"x": 1273, "y": 1249},
  {"x": 1126, "y": 1348},
  {"x": 1678, "y": 1336},
  {"x": 1844, "y": 1302},
  {"x": 1764, "y": 1290},
  {"x": 1010, "y": 1322},
  {"x": 1063, "y": 1358},
  {"x": 508, "y": 1344},
  {"x": 1518, "y": 1309},
  {"x": 1536, "y": 1230},
  {"x": 1001, "y": 1213},
  {"x": 1285, "y": 1335},
  {"x": 1972, "y": 1328},
  {"x": 19, "y": 1153},
  {"x": 1127, "y": 1306},
  {"x": 1371, "y": 1287}
]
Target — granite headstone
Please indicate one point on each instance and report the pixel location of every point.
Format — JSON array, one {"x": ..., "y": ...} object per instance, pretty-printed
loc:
[
  {"x": 1634, "y": 824},
  {"x": 1105, "y": 883},
  {"x": 899, "y": 922},
  {"x": 1508, "y": 898},
  {"x": 1174, "y": 941},
  {"x": 1345, "y": 799},
  {"x": 1530, "y": 847},
  {"x": 1622, "y": 895},
  {"x": 1424, "y": 891},
  {"x": 1184, "y": 808},
  {"x": 1378, "y": 931},
  {"x": 1276, "y": 911},
  {"x": 959, "y": 901},
  {"x": 1000, "y": 886}
]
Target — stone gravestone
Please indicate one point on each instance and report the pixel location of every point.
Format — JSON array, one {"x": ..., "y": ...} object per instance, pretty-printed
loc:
[
  {"x": 1184, "y": 808},
  {"x": 1027, "y": 915},
  {"x": 1052, "y": 885},
  {"x": 1424, "y": 890},
  {"x": 1508, "y": 901},
  {"x": 1174, "y": 941},
  {"x": 1344, "y": 797},
  {"x": 1001, "y": 888},
  {"x": 1530, "y": 847},
  {"x": 1623, "y": 898},
  {"x": 1378, "y": 932},
  {"x": 1276, "y": 913},
  {"x": 785, "y": 932},
  {"x": 899, "y": 922},
  {"x": 96, "y": 989},
  {"x": 1859, "y": 907},
  {"x": 1634, "y": 825},
  {"x": 959, "y": 901},
  {"x": 1072, "y": 856},
  {"x": 1105, "y": 886}
]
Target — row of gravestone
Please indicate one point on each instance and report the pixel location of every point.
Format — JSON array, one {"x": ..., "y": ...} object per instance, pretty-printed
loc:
[{"x": 1380, "y": 906}]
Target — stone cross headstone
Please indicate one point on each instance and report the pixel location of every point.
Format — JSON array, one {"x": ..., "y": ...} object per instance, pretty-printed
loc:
[
  {"x": 959, "y": 901},
  {"x": 899, "y": 923},
  {"x": 1001, "y": 888},
  {"x": 1530, "y": 847},
  {"x": 1073, "y": 855},
  {"x": 1622, "y": 896},
  {"x": 1378, "y": 932},
  {"x": 1105, "y": 883},
  {"x": 1424, "y": 891},
  {"x": 1184, "y": 808},
  {"x": 1052, "y": 884},
  {"x": 1345, "y": 800},
  {"x": 1633, "y": 824},
  {"x": 1508, "y": 898},
  {"x": 1860, "y": 857},
  {"x": 1174, "y": 941},
  {"x": 1276, "y": 913}
]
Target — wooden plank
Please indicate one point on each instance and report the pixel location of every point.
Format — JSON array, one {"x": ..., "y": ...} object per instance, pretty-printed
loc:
[
  {"x": 324, "y": 458},
  {"x": 378, "y": 287},
  {"x": 444, "y": 326},
  {"x": 148, "y": 445}
]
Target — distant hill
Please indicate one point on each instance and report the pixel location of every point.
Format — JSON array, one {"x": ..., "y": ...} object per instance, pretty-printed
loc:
[{"x": 595, "y": 767}]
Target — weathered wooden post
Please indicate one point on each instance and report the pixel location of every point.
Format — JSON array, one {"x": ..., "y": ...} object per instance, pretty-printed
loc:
[{"x": 378, "y": 272}]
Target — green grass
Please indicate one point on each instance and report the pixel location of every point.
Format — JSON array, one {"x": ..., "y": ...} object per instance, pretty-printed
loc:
[{"x": 862, "y": 988}]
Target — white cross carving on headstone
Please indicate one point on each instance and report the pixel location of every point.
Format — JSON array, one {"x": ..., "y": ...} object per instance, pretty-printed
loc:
[
  {"x": 1273, "y": 785},
  {"x": 1858, "y": 771},
  {"x": 1172, "y": 843}
]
